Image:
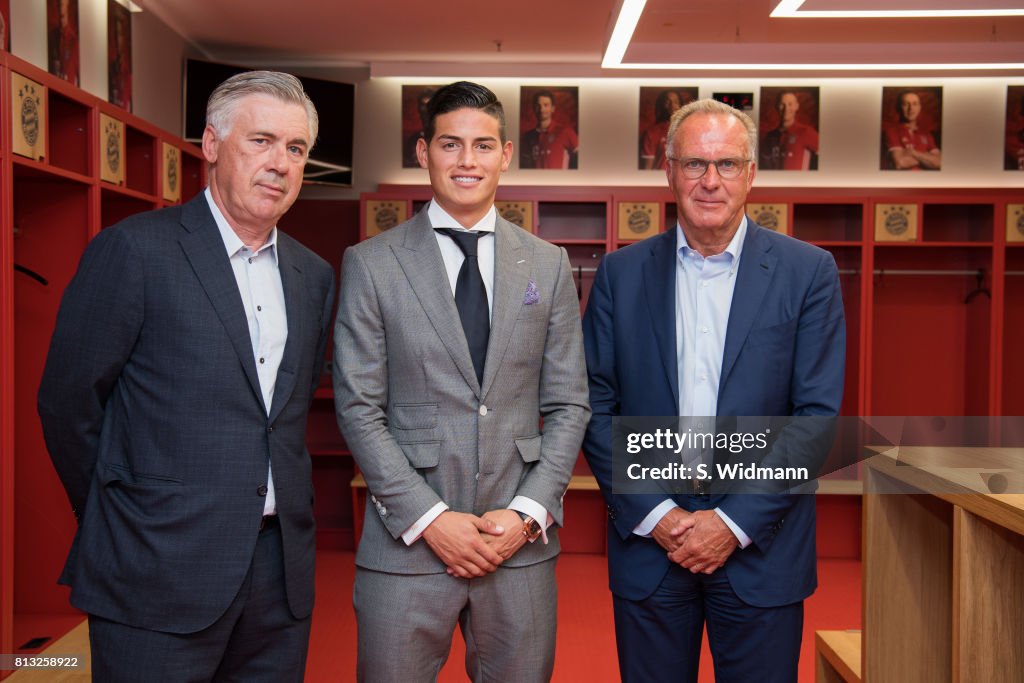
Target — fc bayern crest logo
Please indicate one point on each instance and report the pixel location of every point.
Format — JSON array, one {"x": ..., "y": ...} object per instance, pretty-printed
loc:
[
  {"x": 513, "y": 215},
  {"x": 767, "y": 218},
  {"x": 113, "y": 150},
  {"x": 29, "y": 115},
  {"x": 896, "y": 222},
  {"x": 639, "y": 221},
  {"x": 386, "y": 217},
  {"x": 172, "y": 171}
]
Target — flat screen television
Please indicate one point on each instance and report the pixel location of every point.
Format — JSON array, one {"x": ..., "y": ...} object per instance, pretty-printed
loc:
[{"x": 331, "y": 159}]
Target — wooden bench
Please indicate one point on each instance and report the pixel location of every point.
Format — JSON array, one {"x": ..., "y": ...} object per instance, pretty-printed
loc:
[{"x": 837, "y": 656}]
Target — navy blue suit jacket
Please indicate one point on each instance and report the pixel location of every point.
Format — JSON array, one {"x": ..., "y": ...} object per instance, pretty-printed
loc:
[
  {"x": 154, "y": 418},
  {"x": 784, "y": 355}
]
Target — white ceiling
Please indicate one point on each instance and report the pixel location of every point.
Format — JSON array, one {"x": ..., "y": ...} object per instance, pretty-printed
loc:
[{"x": 568, "y": 37}]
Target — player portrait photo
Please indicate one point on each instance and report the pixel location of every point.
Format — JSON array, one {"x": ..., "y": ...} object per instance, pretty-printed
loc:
[
  {"x": 788, "y": 123},
  {"x": 911, "y": 128},
  {"x": 119, "y": 54},
  {"x": 62, "y": 39},
  {"x": 414, "y": 108},
  {"x": 656, "y": 108},
  {"x": 548, "y": 125},
  {"x": 1014, "y": 157}
]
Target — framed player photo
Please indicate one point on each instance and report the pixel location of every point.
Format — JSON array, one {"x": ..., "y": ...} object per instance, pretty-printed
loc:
[
  {"x": 414, "y": 113},
  {"x": 656, "y": 108},
  {"x": 62, "y": 39},
  {"x": 119, "y": 55},
  {"x": 744, "y": 101},
  {"x": 548, "y": 121},
  {"x": 788, "y": 124},
  {"x": 5, "y": 25},
  {"x": 1014, "y": 156},
  {"x": 911, "y": 128}
]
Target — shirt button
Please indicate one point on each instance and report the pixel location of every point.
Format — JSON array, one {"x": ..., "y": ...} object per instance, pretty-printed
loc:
[
  {"x": 262, "y": 490},
  {"x": 704, "y": 329},
  {"x": 251, "y": 259},
  {"x": 259, "y": 308},
  {"x": 262, "y": 361},
  {"x": 483, "y": 410}
]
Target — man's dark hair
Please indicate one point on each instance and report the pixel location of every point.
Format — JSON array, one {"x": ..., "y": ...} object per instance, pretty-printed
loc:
[{"x": 463, "y": 95}]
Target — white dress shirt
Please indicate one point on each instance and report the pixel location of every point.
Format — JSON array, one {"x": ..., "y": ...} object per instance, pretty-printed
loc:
[
  {"x": 453, "y": 257},
  {"x": 259, "y": 283},
  {"x": 704, "y": 291}
]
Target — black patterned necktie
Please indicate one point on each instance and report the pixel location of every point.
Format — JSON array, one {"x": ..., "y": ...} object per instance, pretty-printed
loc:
[{"x": 471, "y": 298}]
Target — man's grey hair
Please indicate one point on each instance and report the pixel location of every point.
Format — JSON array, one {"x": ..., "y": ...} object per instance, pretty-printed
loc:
[
  {"x": 709, "y": 106},
  {"x": 220, "y": 108}
]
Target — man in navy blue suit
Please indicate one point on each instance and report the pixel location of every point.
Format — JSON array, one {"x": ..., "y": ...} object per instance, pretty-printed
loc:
[
  {"x": 719, "y": 317},
  {"x": 174, "y": 403}
]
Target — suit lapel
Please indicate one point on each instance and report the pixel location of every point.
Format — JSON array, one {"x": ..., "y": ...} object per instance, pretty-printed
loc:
[
  {"x": 660, "y": 288},
  {"x": 295, "y": 292},
  {"x": 511, "y": 275},
  {"x": 757, "y": 267},
  {"x": 420, "y": 259},
  {"x": 204, "y": 249}
]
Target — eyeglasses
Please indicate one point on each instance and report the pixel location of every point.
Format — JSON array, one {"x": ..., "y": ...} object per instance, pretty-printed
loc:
[{"x": 694, "y": 168}]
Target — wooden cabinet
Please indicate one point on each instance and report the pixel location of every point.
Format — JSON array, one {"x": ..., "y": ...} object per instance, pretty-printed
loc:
[
  {"x": 49, "y": 209},
  {"x": 943, "y": 568}
]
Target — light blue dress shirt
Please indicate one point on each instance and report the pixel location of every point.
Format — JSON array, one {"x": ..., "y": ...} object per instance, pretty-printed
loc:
[
  {"x": 259, "y": 283},
  {"x": 704, "y": 290}
]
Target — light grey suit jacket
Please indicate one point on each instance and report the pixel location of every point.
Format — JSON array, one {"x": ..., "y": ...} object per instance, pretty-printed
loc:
[{"x": 408, "y": 402}]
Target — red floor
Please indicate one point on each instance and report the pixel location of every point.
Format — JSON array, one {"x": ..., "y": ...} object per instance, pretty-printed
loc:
[{"x": 586, "y": 637}]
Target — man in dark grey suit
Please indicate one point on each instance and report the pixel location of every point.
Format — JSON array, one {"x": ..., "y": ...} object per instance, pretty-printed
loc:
[
  {"x": 456, "y": 333},
  {"x": 174, "y": 405}
]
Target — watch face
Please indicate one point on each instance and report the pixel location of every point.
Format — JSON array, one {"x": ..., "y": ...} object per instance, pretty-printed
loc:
[{"x": 531, "y": 529}]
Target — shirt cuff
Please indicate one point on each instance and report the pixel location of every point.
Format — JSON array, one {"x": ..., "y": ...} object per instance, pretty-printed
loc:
[
  {"x": 413, "y": 533},
  {"x": 532, "y": 508},
  {"x": 738, "y": 532},
  {"x": 647, "y": 524}
]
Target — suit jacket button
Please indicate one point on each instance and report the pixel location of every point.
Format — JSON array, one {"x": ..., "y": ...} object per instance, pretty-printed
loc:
[
  {"x": 483, "y": 410},
  {"x": 262, "y": 490}
]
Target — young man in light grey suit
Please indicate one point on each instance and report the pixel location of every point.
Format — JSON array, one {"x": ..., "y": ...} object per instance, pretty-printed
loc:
[
  {"x": 174, "y": 405},
  {"x": 449, "y": 350}
]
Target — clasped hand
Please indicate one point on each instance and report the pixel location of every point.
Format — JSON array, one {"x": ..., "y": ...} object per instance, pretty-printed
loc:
[
  {"x": 472, "y": 546},
  {"x": 699, "y": 541}
]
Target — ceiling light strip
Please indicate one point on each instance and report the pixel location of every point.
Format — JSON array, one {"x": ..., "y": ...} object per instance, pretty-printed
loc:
[
  {"x": 622, "y": 33},
  {"x": 790, "y": 9}
]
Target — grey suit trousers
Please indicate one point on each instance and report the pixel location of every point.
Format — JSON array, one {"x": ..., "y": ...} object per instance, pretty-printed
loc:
[{"x": 507, "y": 618}]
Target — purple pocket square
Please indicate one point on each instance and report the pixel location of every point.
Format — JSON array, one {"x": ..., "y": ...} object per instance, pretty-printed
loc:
[{"x": 532, "y": 296}]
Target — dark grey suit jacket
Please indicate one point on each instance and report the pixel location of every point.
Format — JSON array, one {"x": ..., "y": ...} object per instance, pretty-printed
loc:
[
  {"x": 154, "y": 419},
  {"x": 420, "y": 425}
]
